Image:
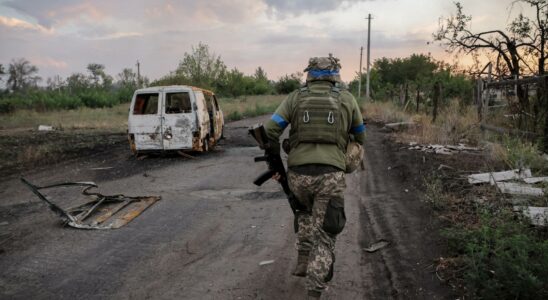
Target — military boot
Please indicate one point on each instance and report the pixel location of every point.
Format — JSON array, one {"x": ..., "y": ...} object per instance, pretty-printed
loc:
[{"x": 302, "y": 264}]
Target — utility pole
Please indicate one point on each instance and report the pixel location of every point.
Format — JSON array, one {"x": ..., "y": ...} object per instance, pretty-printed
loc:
[
  {"x": 367, "y": 94},
  {"x": 138, "y": 74},
  {"x": 360, "y": 75}
]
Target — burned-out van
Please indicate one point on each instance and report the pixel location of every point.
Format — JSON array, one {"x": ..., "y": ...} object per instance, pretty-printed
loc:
[{"x": 174, "y": 118}]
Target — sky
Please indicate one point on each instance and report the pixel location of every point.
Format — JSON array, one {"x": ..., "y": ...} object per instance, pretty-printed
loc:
[{"x": 61, "y": 37}]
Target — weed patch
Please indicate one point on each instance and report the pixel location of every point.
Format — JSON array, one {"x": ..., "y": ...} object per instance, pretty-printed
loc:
[{"x": 502, "y": 258}]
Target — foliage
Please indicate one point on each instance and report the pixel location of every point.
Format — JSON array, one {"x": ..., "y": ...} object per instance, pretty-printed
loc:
[
  {"x": 503, "y": 257},
  {"x": 288, "y": 83},
  {"x": 207, "y": 70},
  {"x": 417, "y": 72},
  {"x": 22, "y": 75},
  {"x": 518, "y": 153}
]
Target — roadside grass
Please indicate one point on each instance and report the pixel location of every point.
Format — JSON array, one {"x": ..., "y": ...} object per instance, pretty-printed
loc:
[
  {"x": 455, "y": 124},
  {"x": 492, "y": 251},
  {"x": 82, "y": 130},
  {"x": 249, "y": 106},
  {"x": 114, "y": 118}
]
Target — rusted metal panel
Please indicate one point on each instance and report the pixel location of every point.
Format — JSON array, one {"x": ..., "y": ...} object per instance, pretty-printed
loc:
[{"x": 103, "y": 212}]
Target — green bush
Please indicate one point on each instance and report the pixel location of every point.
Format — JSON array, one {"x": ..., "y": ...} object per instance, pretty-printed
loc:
[{"x": 504, "y": 258}]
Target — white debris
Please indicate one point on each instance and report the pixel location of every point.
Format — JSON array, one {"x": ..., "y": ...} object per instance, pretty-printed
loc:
[
  {"x": 442, "y": 149},
  {"x": 266, "y": 262},
  {"x": 519, "y": 189},
  {"x": 493, "y": 177},
  {"x": 377, "y": 245},
  {"x": 45, "y": 128},
  {"x": 537, "y": 215},
  {"x": 533, "y": 180}
]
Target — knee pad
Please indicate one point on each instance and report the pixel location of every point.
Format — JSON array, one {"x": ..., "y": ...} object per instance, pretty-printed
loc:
[{"x": 335, "y": 218}]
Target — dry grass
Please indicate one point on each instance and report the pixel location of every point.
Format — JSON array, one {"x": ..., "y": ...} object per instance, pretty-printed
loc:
[
  {"x": 249, "y": 106},
  {"x": 114, "y": 118},
  {"x": 454, "y": 124},
  {"x": 384, "y": 112}
]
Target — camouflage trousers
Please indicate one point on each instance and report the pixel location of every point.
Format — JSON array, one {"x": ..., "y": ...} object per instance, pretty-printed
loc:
[{"x": 319, "y": 194}]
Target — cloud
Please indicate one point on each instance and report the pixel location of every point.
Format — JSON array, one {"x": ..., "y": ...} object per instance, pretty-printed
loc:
[
  {"x": 54, "y": 12},
  {"x": 20, "y": 24},
  {"x": 49, "y": 62},
  {"x": 282, "y": 8}
]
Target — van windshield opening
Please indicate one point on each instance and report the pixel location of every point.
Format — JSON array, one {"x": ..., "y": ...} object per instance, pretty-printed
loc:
[
  {"x": 178, "y": 103},
  {"x": 146, "y": 104}
]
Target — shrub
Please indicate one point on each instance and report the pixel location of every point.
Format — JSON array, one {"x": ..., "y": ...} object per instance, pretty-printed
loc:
[{"x": 503, "y": 258}]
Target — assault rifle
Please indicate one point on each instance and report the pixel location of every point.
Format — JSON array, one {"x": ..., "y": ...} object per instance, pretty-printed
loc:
[{"x": 275, "y": 165}]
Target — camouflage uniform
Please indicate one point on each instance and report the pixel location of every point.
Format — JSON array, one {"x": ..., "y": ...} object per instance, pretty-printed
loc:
[
  {"x": 316, "y": 193},
  {"x": 317, "y": 165}
]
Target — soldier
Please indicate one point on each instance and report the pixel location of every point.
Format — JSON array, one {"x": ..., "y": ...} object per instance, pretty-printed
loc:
[{"x": 324, "y": 118}]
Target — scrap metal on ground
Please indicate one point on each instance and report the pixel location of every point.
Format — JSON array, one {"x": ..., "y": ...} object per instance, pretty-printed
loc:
[
  {"x": 521, "y": 190},
  {"x": 103, "y": 212}
]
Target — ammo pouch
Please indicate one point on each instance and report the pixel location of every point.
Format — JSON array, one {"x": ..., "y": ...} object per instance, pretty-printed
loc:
[{"x": 335, "y": 218}]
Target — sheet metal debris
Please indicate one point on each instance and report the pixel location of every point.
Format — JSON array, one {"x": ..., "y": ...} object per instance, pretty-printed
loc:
[
  {"x": 537, "y": 215},
  {"x": 377, "y": 246},
  {"x": 45, "y": 128},
  {"x": 443, "y": 149},
  {"x": 519, "y": 189},
  {"x": 493, "y": 177},
  {"x": 103, "y": 212}
]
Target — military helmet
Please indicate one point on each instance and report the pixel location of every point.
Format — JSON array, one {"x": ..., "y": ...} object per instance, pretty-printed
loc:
[{"x": 323, "y": 68}]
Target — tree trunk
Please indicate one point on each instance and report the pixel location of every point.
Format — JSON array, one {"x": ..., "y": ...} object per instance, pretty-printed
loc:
[
  {"x": 418, "y": 98},
  {"x": 437, "y": 95},
  {"x": 406, "y": 95},
  {"x": 544, "y": 89}
]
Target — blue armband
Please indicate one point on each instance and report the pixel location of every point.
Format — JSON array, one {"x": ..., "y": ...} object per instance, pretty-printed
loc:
[
  {"x": 280, "y": 121},
  {"x": 357, "y": 129}
]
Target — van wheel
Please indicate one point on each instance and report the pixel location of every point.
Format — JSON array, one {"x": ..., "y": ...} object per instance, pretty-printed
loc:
[{"x": 205, "y": 145}]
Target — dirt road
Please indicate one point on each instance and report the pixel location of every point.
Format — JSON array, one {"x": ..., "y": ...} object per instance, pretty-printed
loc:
[{"x": 212, "y": 228}]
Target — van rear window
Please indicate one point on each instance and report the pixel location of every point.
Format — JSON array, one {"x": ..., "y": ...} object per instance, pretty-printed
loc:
[
  {"x": 146, "y": 104},
  {"x": 178, "y": 103}
]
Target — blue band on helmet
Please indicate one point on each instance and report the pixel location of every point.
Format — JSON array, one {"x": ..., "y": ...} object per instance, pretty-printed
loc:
[
  {"x": 280, "y": 121},
  {"x": 320, "y": 73},
  {"x": 357, "y": 129}
]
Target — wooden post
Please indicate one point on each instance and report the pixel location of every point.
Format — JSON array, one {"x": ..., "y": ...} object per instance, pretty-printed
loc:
[
  {"x": 406, "y": 99},
  {"x": 418, "y": 97},
  {"x": 544, "y": 89},
  {"x": 479, "y": 93},
  {"x": 437, "y": 96}
]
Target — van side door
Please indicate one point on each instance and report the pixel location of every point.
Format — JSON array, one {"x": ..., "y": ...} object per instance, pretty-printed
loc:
[
  {"x": 219, "y": 119},
  {"x": 202, "y": 115},
  {"x": 178, "y": 120},
  {"x": 144, "y": 122}
]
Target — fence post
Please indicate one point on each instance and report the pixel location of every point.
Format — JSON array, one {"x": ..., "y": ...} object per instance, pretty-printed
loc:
[
  {"x": 544, "y": 89},
  {"x": 437, "y": 95}
]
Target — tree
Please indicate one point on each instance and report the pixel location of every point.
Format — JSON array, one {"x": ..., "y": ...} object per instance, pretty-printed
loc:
[
  {"x": 77, "y": 82},
  {"x": 98, "y": 76},
  {"x": 201, "y": 67},
  {"x": 55, "y": 82},
  {"x": 513, "y": 48},
  {"x": 2, "y": 72},
  {"x": 127, "y": 78},
  {"x": 288, "y": 83},
  {"x": 22, "y": 75}
]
